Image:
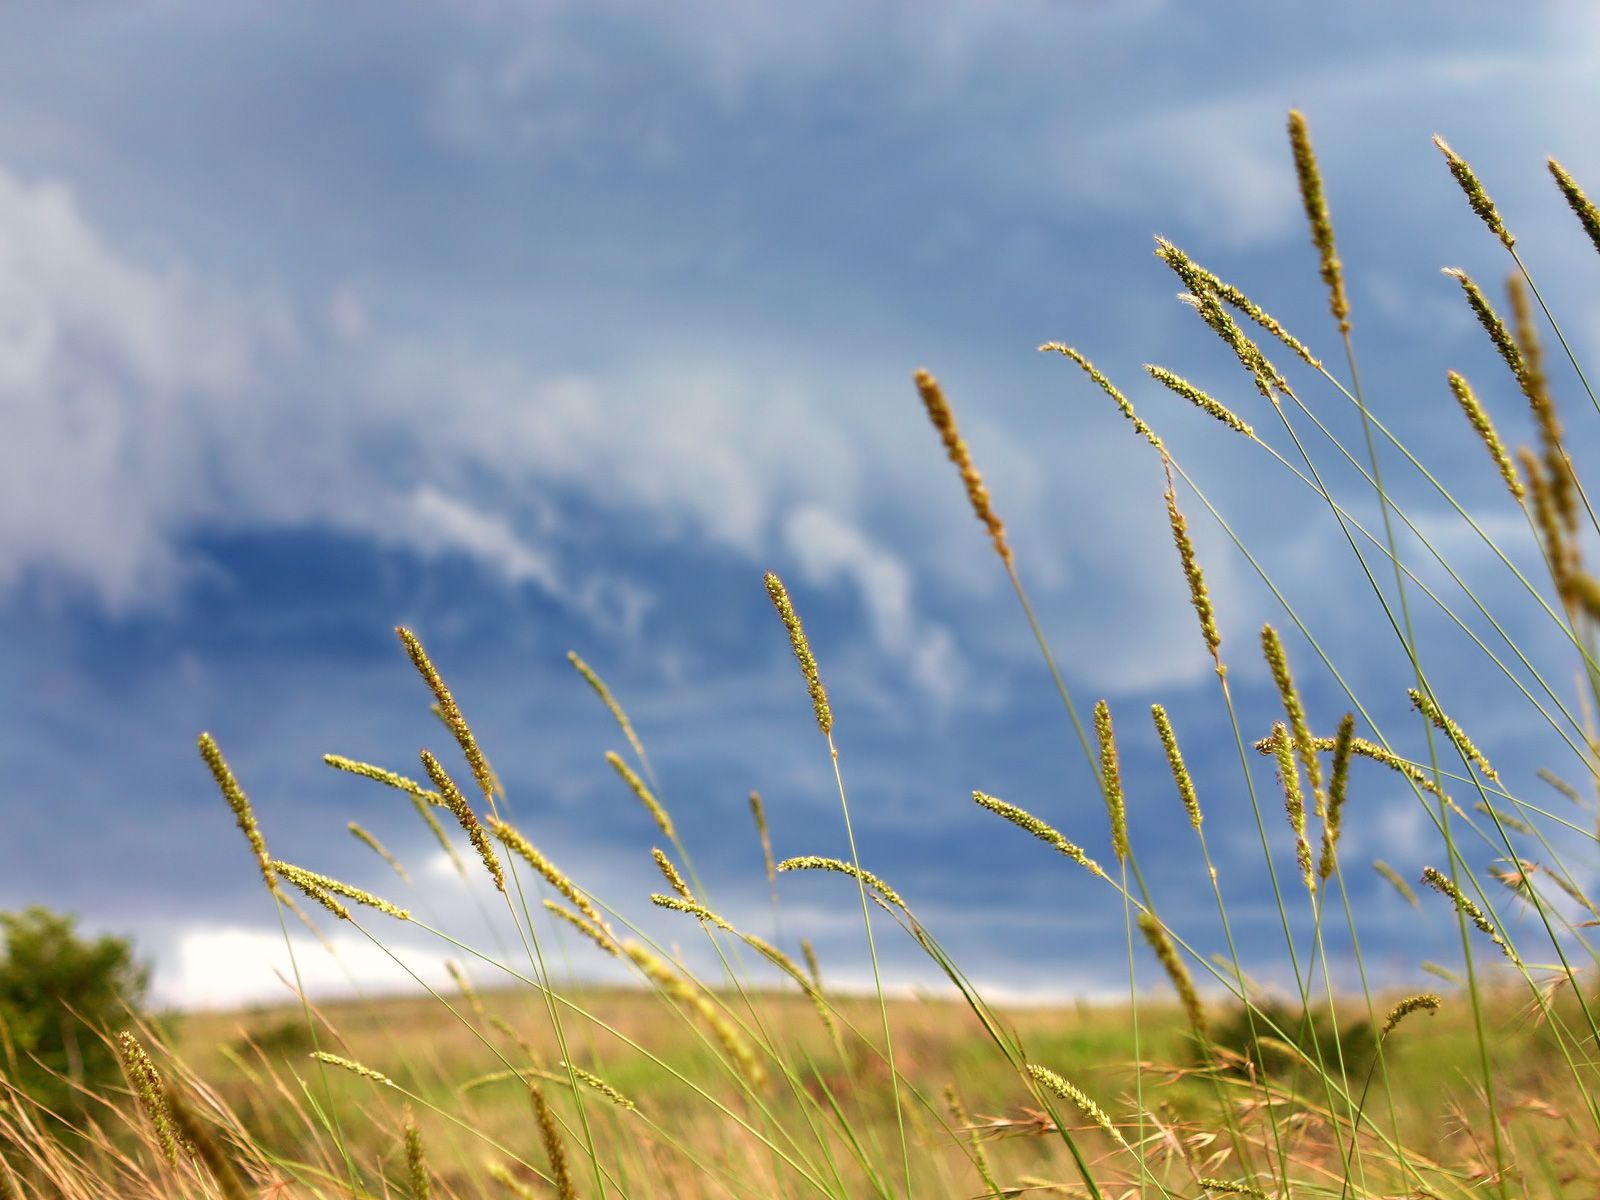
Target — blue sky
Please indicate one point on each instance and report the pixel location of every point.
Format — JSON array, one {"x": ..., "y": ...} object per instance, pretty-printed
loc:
[{"x": 550, "y": 327}]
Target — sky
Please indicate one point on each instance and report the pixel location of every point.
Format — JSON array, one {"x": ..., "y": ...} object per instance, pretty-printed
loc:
[{"x": 544, "y": 327}]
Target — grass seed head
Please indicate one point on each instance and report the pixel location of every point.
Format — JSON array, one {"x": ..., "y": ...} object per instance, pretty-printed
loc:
[
  {"x": 1197, "y": 280},
  {"x": 1111, "y": 779},
  {"x": 449, "y": 712},
  {"x": 384, "y": 776},
  {"x": 513, "y": 841},
  {"x": 1294, "y": 711},
  {"x": 944, "y": 420},
  {"x": 1180, "y": 770},
  {"x": 758, "y": 813},
  {"x": 1316, "y": 206},
  {"x": 1172, "y": 963},
  {"x": 670, "y": 873},
  {"x": 416, "y": 1160},
  {"x": 243, "y": 813},
  {"x": 315, "y": 885},
  {"x": 606, "y": 698},
  {"x": 462, "y": 811},
  {"x": 555, "y": 1149},
  {"x": 1054, "y": 1083},
  {"x": 815, "y": 862},
  {"x": 1582, "y": 207},
  {"x": 1199, "y": 594},
  {"x": 1294, "y": 803},
  {"x": 1200, "y": 399},
  {"x": 1476, "y": 196},
  {"x": 1023, "y": 819},
  {"x": 1426, "y": 1002},
  {"x": 1110, "y": 389},
  {"x": 1492, "y": 323},
  {"x": 802, "y": 650},
  {"x": 355, "y": 1068},
  {"x": 367, "y": 838},
  {"x": 1425, "y": 705},
  {"x": 1396, "y": 881},
  {"x": 645, "y": 796},
  {"x": 1479, "y": 420},
  {"x": 1447, "y": 887},
  {"x": 599, "y": 936},
  {"x": 147, "y": 1086},
  {"x": 1338, "y": 787}
]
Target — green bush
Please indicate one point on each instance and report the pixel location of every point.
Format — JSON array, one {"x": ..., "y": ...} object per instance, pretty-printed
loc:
[{"x": 60, "y": 993}]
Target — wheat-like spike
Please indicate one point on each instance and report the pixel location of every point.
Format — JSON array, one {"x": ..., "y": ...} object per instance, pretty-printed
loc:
[
  {"x": 1316, "y": 205},
  {"x": 944, "y": 420},
  {"x": 812, "y": 965},
  {"x": 1294, "y": 711},
  {"x": 1250, "y": 356},
  {"x": 310, "y": 882},
  {"x": 370, "y": 840},
  {"x": 449, "y": 713},
  {"x": 1570, "y": 583},
  {"x": 758, "y": 813},
  {"x": 1516, "y": 824},
  {"x": 468, "y": 992},
  {"x": 1180, "y": 770},
  {"x": 1294, "y": 802},
  {"x": 1371, "y": 750},
  {"x": 670, "y": 873},
  {"x": 1338, "y": 786},
  {"x": 1199, "y": 399},
  {"x": 1446, "y": 887},
  {"x": 1167, "y": 954},
  {"x": 816, "y": 862},
  {"x": 1476, "y": 196},
  {"x": 1110, "y": 389},
  {"x": 679, "y": 904},
  {"x": 1582, "y": 207},
  {"x": 147, "y": 1086},
  {"x": 1492, "y": 323},
  {"x": 1396, "y": 880},
  {"x": 1535, "y": 386},
  {"x": 606, "y": 698},
  {"x": 555, "y": 1149},
  {"x": 195, "y": 1133},
  {"x": 502, "y": 1175},
  {"x": 1023, "y": 819},
  {"x": 645, "y": 796},
  {"x": 1069, "y": 1091},
  {"x": 305, "y": 883},
  {"x": 1426, "y": 1002},
  {"x": 1199, "y": 594},
  {"x": 1197, "y": 279},
  {"x": 462, "y": 811},
  {"x": 513, "y": 840},
  {"x": 584, "y": 926},
  {"x": 1230, "y": 1187},
  {"x": 1560, "y": 785},
  {"x": 963, "y": 1123},
  {"x": 601, "y": 1086},
  {"x": 677, "y": 988},
  {"x": 416, "y": 1160},
  {"x": 1479, "y": 419},
  {"x": 802, "y": 650},
  {"x": 384, "y": 776},
  {"x": 1111, "y": 779},
  {"x": 243, "y": 814},
  {"x": 355, "y": 1068},
  {"x": 1424, "y": 704}
]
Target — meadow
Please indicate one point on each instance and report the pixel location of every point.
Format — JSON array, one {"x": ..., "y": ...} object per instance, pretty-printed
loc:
[{"x": 763, "y": 1079}]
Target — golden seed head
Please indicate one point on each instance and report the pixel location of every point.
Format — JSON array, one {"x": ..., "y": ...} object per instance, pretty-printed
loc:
[
  {"x": 314, "y": 885},
  {"x": 1425, "y": 705},
  {"x": 1447, "y": 887},
  {"x": 615, "y": 709},
  {"x": 1199, "y": 594},
  {"x": 758, "y": 813},
  {"x": 1536, "y": 388},
  {"x": 1266, "y": 376},
  {"x": 1068, "y": 1091},
  {"x": 449, "y": 712},
  {"x": 147, "y": 1086},
  {"x": 513, "y": 840},
  {"x": 1396, "y": 880},
  {"x": 802, "y": 650},
  {"x": 1294, "y": 803},
  {"x": 1426, "y": 1002},
  {"x": 1478, "y": 417},
  {"x": 1198, "y": 280},
  {"x": 1492, "y": 323},
  {"x": 243, "y": 814},
  {"x": 1180, "y": 771},
  {"x": 944, "y": 421},
  {"x": 416, "y": 1160},
  {"x": 1582, "y": 207},
  {"x": 600, "y": 1085},
  {"x": 1110, "y": 389},
  {"x": 1199, "y": 399},
  {"x": 1230, "y": 1187},
  {"x": 645, "y": 796},
  {"x": 1476, "y": 196},
  {"x": 812, "y": 965},
  {"x": 815, "y": 862},
  {"x": 462, "y": 811},
  {"x": 1570, "y": 583},
  {"x": 555, "y": 1149},
  {"x": 1338, "y": 786},
  {"x": 699, "y": 911},
  {"x": 1111, "y": 779},
  {"x": 1316, "y": 206},
  {"x": 683, "y": 991},
  {"x": 355, "y": 1068},
  {"x": 1278, "y": 661},
  {"x": 382, "y": 775},
  {"x": 1023, "y": 819},
  {"x": 370, "y": 840},
  {"x": 586, "y": 927},
  {"x": 1161, "y": 943},
  {"x": 670, "y": 873},
  {"x": 196, "y": 1136}
]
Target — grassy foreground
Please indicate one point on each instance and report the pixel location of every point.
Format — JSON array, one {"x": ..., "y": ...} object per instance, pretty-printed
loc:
[{"x": 725, "y": 1085}]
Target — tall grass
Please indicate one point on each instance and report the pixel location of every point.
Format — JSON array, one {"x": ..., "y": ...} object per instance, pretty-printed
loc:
[{"x": 762, "y": 1080}]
